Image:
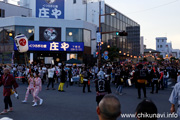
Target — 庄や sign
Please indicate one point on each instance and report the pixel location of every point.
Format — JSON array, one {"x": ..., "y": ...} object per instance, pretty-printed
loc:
[
  {"x": 55, "y": 46},
  {"x": 50, "y": 9}
]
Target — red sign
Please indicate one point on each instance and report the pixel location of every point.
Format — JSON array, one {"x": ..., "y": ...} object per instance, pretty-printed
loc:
[{"x": 22, "y": 42}]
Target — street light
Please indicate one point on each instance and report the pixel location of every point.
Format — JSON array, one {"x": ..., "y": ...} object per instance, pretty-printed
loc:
[
  {"x": 99, "y": 50},
  {"x": 113, "y": 14}
]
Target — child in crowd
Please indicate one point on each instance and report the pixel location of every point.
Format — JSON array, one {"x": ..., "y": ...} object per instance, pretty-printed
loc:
[{"x": 30, "y": 88}]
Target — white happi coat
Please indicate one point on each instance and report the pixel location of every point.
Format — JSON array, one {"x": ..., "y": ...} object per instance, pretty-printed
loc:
[{"x": 175, "y": 97}]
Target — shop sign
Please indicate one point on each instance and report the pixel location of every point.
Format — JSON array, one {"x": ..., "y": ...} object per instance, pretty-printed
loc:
[
  {"x": 54, "y": 46},
  {"x": 50, "y": 9}
]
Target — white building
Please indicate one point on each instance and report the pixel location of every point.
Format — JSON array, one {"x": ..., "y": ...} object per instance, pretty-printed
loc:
[
  {"x": 161, "y": 46},
  {"x": 142, "y": 45},
  {"x": 176, "y": 53},
  {"x": 7, "y": 10}
]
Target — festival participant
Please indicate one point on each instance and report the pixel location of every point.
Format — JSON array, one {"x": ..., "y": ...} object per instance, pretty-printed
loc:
[
  {"x": 178, "y": 77},
  {"x": 30, "y": 88},
  {"x": 102, "y": 86},
  {"x": 51, "y": 78},
  {"x": 175, "y": 99},
  {"x": 63, "y": 80},
  {"x": 9, "y": 83},
  {"x": 141, "y": 76},
  {"x": 155, "y": 80},
  {"x": 37, "y": 89}
]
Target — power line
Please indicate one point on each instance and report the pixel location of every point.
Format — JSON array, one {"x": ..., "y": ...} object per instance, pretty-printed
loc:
[{"x": 154, "y": 7}]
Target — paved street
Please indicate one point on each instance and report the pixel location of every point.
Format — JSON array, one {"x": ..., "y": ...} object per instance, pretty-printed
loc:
[{"x": 75, "y": 105}]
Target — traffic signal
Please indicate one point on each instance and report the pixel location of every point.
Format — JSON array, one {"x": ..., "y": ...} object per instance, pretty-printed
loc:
[
  {"x": 123, "y": 33},
  {"x": 97, "y": 54},
  {"x": 117, "y": 33}
]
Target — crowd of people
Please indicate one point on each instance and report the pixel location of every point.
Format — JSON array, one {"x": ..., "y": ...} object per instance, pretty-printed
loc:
[{"x": 119, "y": 75}]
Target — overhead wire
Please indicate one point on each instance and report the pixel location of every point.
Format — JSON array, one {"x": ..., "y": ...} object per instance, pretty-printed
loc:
[{"x": 154, "y": 7}]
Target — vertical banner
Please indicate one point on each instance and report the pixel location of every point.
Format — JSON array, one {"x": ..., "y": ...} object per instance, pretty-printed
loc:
[{"x": 50, "y": 9}]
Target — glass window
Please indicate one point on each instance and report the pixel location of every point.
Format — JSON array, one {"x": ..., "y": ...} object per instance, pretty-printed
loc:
[
  {"x": 2, "y": 13},
  {"x": 74, "y": 35},
  {"x": 8, "y": 35},
  {"x": 7, "y": 39},
  {"x": 114, "y": 21},
  {"x": 162, "y": 40},
  {"x": 160, "y": 46},
  {"x": 87, "y": 38},
  {"x": 28, "y": 31},
  {"x": 1, "y": 36},
  {"x": 74, "y": 1}
]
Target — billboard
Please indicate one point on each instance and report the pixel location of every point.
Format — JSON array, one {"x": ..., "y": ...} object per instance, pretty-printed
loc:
[
  {"x": 49, "y": 34},
  {"x": 50, "y": 9},
  {"x": 54, "y": 46}
]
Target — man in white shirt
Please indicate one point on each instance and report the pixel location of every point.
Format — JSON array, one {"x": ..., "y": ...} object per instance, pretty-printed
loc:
[{"x": 50, "y": 78}]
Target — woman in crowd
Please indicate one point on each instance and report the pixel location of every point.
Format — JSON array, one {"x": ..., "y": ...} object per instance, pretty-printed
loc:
[
  {"x": 30, "y": 89},
  {"x": 37, "y": 89}
]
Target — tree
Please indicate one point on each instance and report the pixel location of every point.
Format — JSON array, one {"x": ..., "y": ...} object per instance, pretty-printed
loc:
[{"x": 113, "y": 53}]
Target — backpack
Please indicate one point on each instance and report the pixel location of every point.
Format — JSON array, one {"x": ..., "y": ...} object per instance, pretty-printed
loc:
[{"x": 142, "y": 74}]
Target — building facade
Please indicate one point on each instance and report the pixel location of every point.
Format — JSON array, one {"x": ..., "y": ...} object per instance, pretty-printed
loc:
[
  {"x": 176, "y": 53},
  {"x": 142, "y": 45},
  {"x": 163, "y": 46},
  {"x": 8, "y": 10},
  {"x": 74, "y": 21},
  {"x": 89, "y": 10},
  {"x": 76, "y": 34}
]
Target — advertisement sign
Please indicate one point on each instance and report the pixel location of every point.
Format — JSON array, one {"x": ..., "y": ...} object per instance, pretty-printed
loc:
[
  {"x": 54, "y": 46},
  {"x": 50, "y": 9},
  {"x": 98, "y": 37},
  {"x": 49, "y": 34}
]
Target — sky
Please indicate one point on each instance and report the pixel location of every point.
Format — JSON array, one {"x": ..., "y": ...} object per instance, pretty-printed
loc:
[{"x": 157, "y": 18}]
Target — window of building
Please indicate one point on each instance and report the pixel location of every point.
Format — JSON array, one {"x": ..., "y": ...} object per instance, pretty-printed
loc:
[
  {"x": 2, "y": 13},
  {"x": 162, "y": 40},
  {"x": 74, "y": 1},
  {"x": 87, "y": 38},
  {"x": 157, "y": 40},
  {"x": 160, "y": 46},
  {"x": 6, "y": 44},
  {"x": 28, "y": 31},
  {"x": 74, "y": 35}
]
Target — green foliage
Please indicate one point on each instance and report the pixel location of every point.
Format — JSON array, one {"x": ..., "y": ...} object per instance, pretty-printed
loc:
[{"x": 113, "y": 53}]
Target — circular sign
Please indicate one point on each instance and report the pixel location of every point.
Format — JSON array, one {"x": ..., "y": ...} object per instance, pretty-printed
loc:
[
  {"x": 22, "y": 42},
  {"x": 105, "y": 52},
  {"x": 50, "y": 1},
  {"x": 50, "y": 34}
]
